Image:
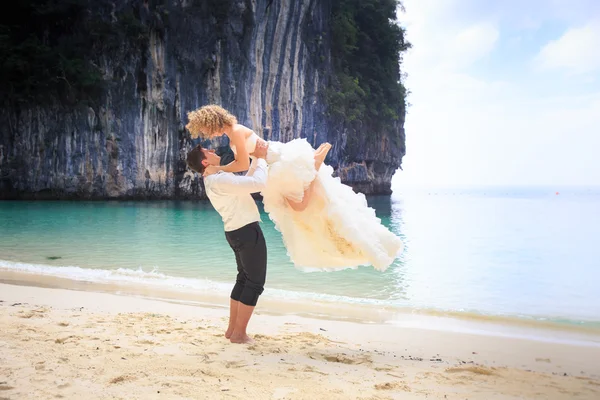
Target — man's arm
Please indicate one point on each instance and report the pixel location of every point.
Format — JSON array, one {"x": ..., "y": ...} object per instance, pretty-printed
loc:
[
  {"x": 253, "y": 166},
  {"x": 253, "y": 182}
]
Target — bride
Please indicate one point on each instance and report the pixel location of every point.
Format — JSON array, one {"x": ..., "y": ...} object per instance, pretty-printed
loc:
[{"x": 325, "y": 225}]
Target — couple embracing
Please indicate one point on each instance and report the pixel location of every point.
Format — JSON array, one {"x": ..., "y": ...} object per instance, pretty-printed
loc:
[{"x": 324, "y": 224}]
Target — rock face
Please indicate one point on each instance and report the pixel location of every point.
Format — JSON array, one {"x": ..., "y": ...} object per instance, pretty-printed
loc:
[{"x": 266, "y": 61}]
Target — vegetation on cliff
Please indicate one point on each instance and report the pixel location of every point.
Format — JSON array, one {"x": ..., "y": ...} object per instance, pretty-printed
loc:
[
  {"x": 367, "y": 47},
  {"x": 51, "y": 48},
  {"x": 55, "y": 48}
]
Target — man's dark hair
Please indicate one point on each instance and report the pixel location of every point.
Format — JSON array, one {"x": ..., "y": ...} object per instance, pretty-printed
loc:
[{"x": 194, "y": 159}]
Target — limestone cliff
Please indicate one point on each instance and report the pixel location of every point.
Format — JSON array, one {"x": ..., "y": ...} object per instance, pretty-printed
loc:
[{"x": 266, "y": 61}]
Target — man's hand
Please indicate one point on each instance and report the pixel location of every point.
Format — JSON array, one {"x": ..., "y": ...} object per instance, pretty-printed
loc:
[
  {"x": 321, "y": 154},
  {"x": 211, "y": 169},
  {"x": 260, "y": 151}
]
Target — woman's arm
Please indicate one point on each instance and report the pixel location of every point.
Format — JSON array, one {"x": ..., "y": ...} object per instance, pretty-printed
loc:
[{"x": 242, "y": 158}]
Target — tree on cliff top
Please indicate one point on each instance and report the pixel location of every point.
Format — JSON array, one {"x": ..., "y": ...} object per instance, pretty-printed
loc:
[
  {"x": 49, "y": 48},
  {"x": 367, "y": 51}
]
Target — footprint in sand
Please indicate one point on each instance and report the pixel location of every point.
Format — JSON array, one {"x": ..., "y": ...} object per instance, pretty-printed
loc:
[
  {"x": 474, "y": 369},
  {"x": 146, "y": 342},
  {"x": 122, "y": 379},
  {"x": 308, "y": 368},
  {"x": 66, "y": 339},
  {"x": 304, "y": 337},
  {"x": 393, "y": 386},
  {"x": 208, "y": 372},
  {"x": 265, "y": 338},
  {"x": 263, "y": 348},
  {"x": 341, "y": 358},
  {"x": 384, "y": 369},
  {"x": 235, "y": 364},
  {"x": 38, "y": 313},
  {"x": 202, "y": 357}
]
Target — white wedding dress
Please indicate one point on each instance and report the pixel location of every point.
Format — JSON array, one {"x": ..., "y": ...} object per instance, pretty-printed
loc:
[{"x": 338, "y": 230}]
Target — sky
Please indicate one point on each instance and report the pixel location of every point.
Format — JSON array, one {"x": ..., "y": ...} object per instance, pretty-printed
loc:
[{"x": 502, "y": 92}]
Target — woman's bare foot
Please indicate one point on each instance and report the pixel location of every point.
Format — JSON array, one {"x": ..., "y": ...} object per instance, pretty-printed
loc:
[
  {"x": 228, "y": 333},
  {"x": 245, "y": 339},
  {"x": 321, "y": 154}
]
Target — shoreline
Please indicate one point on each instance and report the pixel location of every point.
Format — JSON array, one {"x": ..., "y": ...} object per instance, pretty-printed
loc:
[
  {"x": 469, "y": 323},
  {"x": 73, "y": 343}
]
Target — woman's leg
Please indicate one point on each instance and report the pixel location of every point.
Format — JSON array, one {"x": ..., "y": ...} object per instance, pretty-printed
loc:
[{"x": 320, "y": 155}]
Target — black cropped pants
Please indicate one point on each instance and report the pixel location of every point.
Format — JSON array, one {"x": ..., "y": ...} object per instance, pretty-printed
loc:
[{"x": 250, "y": 249}]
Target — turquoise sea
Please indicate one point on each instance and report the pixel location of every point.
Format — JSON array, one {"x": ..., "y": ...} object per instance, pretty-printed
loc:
[{"x": 529, "y": 253}]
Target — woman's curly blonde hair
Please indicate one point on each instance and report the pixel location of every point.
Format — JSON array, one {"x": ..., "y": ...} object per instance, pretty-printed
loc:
[{"x": 208, "y": 120}]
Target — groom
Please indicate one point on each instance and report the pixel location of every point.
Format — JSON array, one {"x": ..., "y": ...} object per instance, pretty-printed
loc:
[{"x": 231, "y": 196}]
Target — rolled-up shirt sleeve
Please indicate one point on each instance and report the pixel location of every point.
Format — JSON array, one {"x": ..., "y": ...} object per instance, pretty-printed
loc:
[{"x": 253, "y": 182}]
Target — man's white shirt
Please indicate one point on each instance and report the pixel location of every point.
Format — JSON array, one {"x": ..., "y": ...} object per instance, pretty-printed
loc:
[{"x": 231, "y": 195}]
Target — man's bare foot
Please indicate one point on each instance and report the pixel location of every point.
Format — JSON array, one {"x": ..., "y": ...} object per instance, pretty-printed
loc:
[{"x": 245, "y": 339}]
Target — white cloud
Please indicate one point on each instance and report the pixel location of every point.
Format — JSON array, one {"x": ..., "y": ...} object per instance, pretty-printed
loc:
[
  {"x": 501, "y": 139},
  {"x": 577, "y": 51},
  {"x": 472, "y": 44},
  {"x": 442, "y": 41},
  {"x": 466, "y": 129}
]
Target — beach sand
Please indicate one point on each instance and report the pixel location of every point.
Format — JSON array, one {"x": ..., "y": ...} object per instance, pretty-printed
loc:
[{"x": 73, "y": 344}]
